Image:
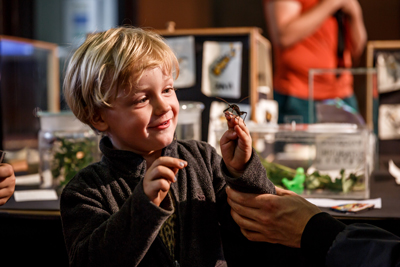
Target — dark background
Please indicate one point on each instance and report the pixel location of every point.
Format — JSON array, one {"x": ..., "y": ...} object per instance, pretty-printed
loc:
[{"x": 17, "y": 17}]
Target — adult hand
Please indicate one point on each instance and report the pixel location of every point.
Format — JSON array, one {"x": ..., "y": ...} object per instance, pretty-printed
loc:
[
  {"x": 279, "y": 218},
  {"x": 7, "y": 182},
  {"x": 159, "y": 176},
  {"x": 236, "y": 145}
]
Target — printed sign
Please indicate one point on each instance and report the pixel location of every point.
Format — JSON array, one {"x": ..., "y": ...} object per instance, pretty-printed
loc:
[
  {"x": 340, "y": 151},
  {"x": 221, "y": 70}
]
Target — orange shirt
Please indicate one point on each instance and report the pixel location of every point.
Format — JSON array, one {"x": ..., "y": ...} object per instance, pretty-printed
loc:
[{"x": 317, "y": 51}]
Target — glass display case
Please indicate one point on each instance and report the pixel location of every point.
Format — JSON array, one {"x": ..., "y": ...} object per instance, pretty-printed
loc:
[
  {"x": 29, "y": 71},
  {"x": 361, "y": 81},
  {"x": 327, "y": 160}
]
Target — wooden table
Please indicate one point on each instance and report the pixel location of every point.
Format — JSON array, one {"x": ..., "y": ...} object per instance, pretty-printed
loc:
[
  {"x": 382, "y": 186},
  {"x": 31, "y": 232}
]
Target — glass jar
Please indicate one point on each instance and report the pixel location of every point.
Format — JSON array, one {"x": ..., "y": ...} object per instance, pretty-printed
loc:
[
  {"x": 189, "y": 120},
  {"x": 66, "y": 145}
]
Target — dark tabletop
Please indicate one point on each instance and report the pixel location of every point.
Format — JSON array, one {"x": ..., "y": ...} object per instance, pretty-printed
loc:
[{"x": 382, "y": 186}]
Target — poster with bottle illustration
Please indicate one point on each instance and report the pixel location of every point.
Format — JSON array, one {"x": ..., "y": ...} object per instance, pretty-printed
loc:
[
  {"x": 183, "y": 48},
  {"x": 221, "y": 70}
]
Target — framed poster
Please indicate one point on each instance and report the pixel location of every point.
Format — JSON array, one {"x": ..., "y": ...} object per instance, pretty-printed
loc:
[
  {"x": 222, "y": 66},
  {"x": 233, "y": 64},
  {"x": 385, "y": 57}
]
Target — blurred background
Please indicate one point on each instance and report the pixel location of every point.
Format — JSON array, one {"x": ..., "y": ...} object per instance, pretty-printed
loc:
[
  {"x": 60, "y": 21},
  {"x": 55, "y": 28},
  {"x": 65, "y": 23}
]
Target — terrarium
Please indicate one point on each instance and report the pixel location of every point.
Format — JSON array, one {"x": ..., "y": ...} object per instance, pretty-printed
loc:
[
  {"x": 65, "y": 146},
  {"x": 325, "y": 160}
]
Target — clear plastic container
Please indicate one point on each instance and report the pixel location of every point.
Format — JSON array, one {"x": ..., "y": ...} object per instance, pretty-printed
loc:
[
  {"x": 189, "y": 120},
  {"x": 66, "y": 145},
  {"x": 327, "y": 160}
]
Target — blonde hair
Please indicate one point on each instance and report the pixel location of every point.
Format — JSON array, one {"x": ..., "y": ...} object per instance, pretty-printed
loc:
[{"x": 111, "y": 60}]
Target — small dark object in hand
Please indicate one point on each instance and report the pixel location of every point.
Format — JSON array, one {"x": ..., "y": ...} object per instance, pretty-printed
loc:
[{"x": 234, "y": 109}]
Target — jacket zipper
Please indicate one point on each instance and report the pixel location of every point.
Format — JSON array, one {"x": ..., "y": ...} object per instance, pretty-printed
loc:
[{"x": 175, "y": 263}]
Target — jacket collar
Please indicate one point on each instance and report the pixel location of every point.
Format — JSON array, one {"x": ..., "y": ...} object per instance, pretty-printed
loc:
[{"x": 124, "y": 160}]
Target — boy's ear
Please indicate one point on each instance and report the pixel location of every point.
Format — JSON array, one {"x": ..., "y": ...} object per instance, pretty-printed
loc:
[{"x": 98, "y": 122}]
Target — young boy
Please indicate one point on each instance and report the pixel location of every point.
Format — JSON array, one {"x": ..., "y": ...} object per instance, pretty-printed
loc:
[{"x": 151, "y": 200}]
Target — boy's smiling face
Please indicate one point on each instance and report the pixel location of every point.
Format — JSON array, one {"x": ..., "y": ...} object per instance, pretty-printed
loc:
[{"x": 145, "y": 120}]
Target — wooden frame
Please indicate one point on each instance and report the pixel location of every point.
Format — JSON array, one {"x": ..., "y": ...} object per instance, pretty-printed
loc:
[
  {"x": 259, "y": 47},
  {"x": 53, "y": 76},
  {"x": 386, "y": 147},
  {"x": 372, "y": 46}
]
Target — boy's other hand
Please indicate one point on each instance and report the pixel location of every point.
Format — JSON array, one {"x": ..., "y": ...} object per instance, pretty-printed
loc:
[
  {"x": 159, "y": 177},
  {"x": 235, "y": 145}
]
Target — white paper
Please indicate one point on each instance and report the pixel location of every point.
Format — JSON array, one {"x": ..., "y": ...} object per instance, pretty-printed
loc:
[
  {"x": 389, "y": 121},
  {"x": 184, "y": 50},
  {"x": 327, "y": 203},
  {"x": 35, "y": 195},
  {"x": 267, "y": 111},
  {"x": 394, "y": 171},
  {"x": 221, "y": 70},
  {"x": 30, "y": 179},
  {"x": 339, "y": 151},
  {"x": 388, "y": 66}
]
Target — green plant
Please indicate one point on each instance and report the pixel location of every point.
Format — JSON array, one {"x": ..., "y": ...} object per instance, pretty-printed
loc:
[
  {"x": 69, "y": 157},
  {"x": 345, "y": 183}
]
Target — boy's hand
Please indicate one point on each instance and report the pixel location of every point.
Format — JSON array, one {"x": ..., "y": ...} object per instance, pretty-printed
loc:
[
  {"x": 235, "y": 145},
  {"x": 159, "y": 177}
]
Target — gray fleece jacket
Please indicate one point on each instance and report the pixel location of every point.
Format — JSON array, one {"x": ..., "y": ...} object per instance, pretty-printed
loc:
[{"x": 108, "y": 220}]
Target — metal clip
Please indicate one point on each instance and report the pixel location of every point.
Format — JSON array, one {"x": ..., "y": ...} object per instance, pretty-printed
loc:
[{"x": 2, "y": 154}]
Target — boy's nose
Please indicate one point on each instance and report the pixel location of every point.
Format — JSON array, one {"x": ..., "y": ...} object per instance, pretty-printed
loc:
[{"x": 161, "y": 106}]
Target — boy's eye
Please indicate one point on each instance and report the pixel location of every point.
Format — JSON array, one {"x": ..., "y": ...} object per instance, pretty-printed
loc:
[
  {"x": 169, "y": 90},
  {"x": 140, "y": 101}
]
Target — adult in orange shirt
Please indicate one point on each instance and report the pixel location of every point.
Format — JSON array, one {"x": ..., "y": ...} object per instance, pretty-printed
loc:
[{"x": 305, "y": 35}]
